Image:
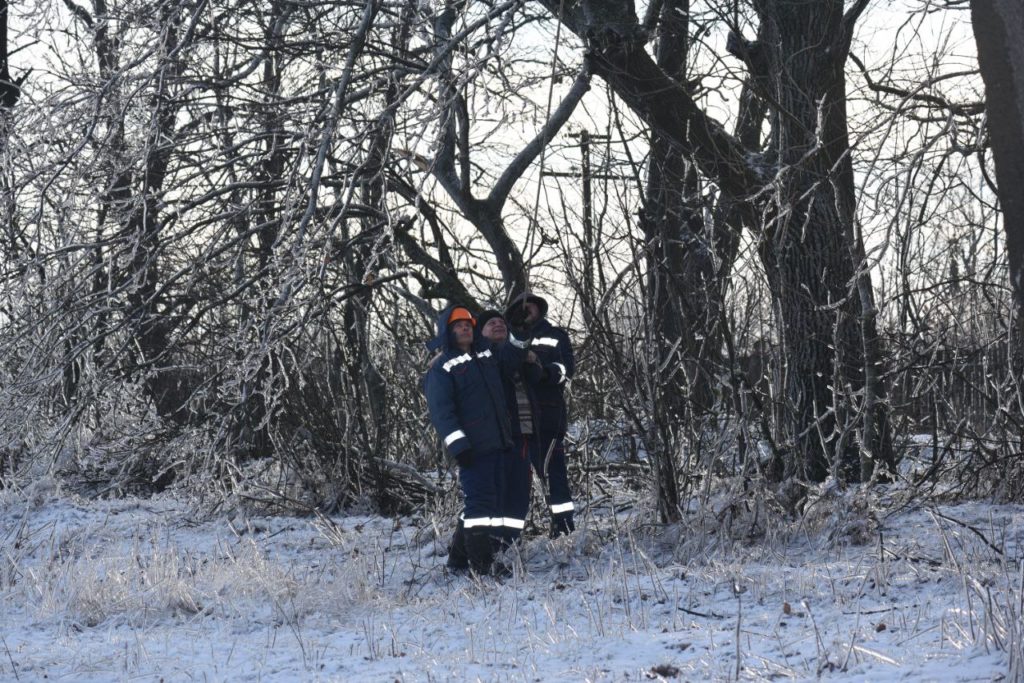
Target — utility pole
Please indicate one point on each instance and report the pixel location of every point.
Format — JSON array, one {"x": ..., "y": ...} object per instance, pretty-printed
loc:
[
  {"x": 588, "y": 211},
  {"x": 590, "y": 241}
]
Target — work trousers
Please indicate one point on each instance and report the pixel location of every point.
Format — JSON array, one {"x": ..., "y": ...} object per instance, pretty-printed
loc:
[
  {"x": 547, "y": 455},
  {"x": 496, "y": 492}
]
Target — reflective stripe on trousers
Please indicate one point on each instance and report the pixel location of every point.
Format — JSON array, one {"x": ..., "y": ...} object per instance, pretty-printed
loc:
[{"x": 510, "y": 522}]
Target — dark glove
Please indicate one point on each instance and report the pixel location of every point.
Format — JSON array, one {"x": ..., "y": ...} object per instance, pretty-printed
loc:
[
  {"x": 465, "y": 458},
  {"x": 517, "y": 322}
]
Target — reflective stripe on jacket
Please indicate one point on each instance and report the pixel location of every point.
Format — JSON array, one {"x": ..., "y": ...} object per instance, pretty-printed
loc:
[
  {"x": 465, "y": 394},
  {"x": 554, "y": 351}
]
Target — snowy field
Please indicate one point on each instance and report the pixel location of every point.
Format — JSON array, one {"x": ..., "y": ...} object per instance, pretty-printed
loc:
[{"x": 862, "y": 589}]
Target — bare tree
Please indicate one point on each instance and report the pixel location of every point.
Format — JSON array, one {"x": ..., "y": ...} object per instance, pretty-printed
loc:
[
  {"x": 452, "y": 165},
  {"x": 801, "y": 196},
  {"x": 235, "y": 217}
]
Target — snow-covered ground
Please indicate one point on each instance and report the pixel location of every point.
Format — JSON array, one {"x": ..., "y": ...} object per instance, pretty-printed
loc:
[{"x": 862, "y": 588}]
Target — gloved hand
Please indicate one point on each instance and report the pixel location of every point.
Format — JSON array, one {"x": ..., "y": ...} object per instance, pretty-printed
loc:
[
  {"x": 465, "y": 458},
  {"x": 517, "y": 321}
]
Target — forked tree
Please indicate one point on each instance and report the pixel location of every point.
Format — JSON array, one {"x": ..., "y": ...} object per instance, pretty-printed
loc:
[{"x": 798, "y": 194}]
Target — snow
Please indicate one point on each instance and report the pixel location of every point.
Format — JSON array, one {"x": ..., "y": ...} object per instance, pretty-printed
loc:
[{"x": 866, "y": 586}]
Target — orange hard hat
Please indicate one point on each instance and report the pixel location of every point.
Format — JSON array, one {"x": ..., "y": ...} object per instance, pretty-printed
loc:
[{"x": 461, "y": 313}]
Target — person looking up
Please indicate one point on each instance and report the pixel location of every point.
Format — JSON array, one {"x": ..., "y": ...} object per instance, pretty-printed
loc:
[
  {"x": 519, "y": 403},
  {"x": 557, "y": 363},
  {"x": 466, "y": 400}
]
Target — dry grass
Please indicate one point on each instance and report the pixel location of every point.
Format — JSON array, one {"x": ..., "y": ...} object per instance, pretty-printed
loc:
[{"x": 800, "y": 599}]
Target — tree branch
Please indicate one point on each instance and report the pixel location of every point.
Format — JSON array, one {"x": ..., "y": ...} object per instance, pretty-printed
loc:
[
  {"x": 408, "y": 192},
  {"x": 444, "y": 162},
  {"x": 616, "y": 53},
  {"x": 853, "y": 14},
  {"x": 80, "y": 12},
  {"x": 652, "y": 15},
  {"x": 848, "y": 23},
  {"x": 667, "y": 107},
  {"x": 465, "y": 177},
  {"x": 499, "y": 193},
  {"x": 448, "y": 285},
  {"x": 967, "y": 109}
]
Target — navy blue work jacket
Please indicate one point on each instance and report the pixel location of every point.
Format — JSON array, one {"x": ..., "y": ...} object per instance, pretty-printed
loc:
[
  {"x": 551, "y": 344},
  {"x": 465, "y": 393}
]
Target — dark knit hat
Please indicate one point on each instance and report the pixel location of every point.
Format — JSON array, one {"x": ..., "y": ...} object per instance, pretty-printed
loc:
[{"x": 482, "y": 319}]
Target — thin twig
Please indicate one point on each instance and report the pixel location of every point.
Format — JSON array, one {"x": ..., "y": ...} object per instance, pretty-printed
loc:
[
  {"x": 10, "y": 657},
  {"x": 695, "y": 613},
  {"x": 965, "y": 525}
]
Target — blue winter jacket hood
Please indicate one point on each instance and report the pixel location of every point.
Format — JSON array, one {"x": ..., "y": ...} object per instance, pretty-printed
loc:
[
  {"x": 441, "y": 341},
  {"x": 525, "y": 297}
]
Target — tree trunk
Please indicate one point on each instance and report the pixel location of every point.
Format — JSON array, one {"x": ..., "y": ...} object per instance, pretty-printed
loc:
[
  {"x": 683, "y": 282},
  {"x": 142, "y": 222},
  {"x": 812, "y": 253},
  {"x": 252, "y": 437},
  {"x": 998, "y": 27},
  {"x": 803, "y": 244}
]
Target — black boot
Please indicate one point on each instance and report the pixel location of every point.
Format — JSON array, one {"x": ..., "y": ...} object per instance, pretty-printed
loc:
[
  {"x": 479, "y": 550},
  {"x": 457, "y": 558},
  {"x": 562, "y": 524},
  {"x": 508, "y": 547}
]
